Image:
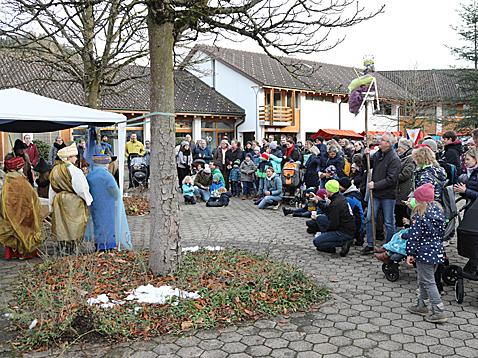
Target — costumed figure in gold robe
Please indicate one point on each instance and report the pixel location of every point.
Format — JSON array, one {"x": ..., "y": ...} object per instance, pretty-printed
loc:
[
  {"x": 69, "y": 198},
  {"x": 20, "y": 218}
]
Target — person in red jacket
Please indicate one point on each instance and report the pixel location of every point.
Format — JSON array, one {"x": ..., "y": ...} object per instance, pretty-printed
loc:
[{"x": 31, "y": 150}]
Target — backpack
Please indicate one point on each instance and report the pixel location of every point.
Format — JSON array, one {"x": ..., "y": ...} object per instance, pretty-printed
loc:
[
  {"x": 290, "y": 174},
  {"x": 347, "y": 167},
  {"x": 451, "y": 170}
]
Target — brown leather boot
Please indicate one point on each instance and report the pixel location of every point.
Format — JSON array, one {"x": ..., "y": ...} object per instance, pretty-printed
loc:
[{"x": 382, "y": 256}]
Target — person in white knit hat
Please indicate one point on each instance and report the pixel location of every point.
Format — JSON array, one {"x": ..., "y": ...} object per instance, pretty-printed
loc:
[{"x": 69, "y": 198}]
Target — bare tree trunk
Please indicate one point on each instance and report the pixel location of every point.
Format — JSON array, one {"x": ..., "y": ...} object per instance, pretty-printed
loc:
[
  {"x": 165, "y": 245},
  {"x": 93, "y": 94}
]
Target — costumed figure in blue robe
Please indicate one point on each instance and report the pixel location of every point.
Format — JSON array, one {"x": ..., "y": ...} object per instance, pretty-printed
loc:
[{"x": 109, "y": 227}]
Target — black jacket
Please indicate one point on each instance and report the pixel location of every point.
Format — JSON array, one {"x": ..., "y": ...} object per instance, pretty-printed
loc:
[
  {"x": 452, "y": 155},
  {"x": 339, "y": 214},
  {"x": 311, "y": 177},
  {"x": 233, "y": 155},
  {"x": 386, "y": 168}
]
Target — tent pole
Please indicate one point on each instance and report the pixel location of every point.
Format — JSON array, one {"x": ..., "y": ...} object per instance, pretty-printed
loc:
[{"x": 369, "y": 176}]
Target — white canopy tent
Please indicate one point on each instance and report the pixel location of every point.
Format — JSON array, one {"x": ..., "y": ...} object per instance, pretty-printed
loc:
[{"x": 26, "y": 112}]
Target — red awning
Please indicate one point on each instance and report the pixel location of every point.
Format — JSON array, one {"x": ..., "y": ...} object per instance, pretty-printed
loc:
[
  {"x": 374, "y": 133},
  {"x": 342, "y": 133}
]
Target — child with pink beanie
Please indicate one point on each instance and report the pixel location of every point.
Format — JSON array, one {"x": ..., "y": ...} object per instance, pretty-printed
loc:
[{"x": 425, "y": 249}]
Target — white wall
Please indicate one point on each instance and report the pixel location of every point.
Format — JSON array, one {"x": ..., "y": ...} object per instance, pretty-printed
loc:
[{"x": 235, "y": 87}]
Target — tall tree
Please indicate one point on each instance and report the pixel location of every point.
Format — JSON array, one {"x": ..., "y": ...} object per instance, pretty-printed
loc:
[
  {"x": 90, "y": 41},
  {"x": 284, "y": 27},
  {"x": 468, "y": 51}
]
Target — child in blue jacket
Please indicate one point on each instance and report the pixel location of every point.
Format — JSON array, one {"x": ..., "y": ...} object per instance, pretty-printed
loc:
[
  {"x": 188, "y": 190},
  {"x": 425, "y": 249}
]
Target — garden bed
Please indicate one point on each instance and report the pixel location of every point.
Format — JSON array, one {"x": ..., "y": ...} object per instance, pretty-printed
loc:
[
  {"x": 136, "y": 205},
  {"x": 224, "y": 286}
]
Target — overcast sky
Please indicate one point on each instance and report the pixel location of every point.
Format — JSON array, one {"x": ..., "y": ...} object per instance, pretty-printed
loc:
[{"x": 409, "y": 34}]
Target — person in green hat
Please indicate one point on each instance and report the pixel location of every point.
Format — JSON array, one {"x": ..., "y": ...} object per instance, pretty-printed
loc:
[{"x": 341, "y": 226}]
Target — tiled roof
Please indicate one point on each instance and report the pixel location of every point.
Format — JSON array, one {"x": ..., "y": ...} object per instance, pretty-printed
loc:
[
  {"x": 428, "y": 85},
  {"x": 191, "y": 94},
  {"x": 312, "y": 76}
]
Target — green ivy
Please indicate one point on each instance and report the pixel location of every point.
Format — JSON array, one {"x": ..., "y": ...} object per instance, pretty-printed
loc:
[{"x": 43, "y": 148}]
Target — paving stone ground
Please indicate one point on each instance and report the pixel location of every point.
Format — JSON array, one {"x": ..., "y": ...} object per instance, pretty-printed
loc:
[{"x": 366, "y": 316}]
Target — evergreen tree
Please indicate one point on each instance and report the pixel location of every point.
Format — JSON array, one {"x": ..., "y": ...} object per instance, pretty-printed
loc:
[{"x": 468, "y": 51}]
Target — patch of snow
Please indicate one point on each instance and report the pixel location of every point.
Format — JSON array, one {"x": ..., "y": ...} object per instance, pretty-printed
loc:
[
  {"x": 197, "y": 248},
  {"x": 33, "y": 324},
  {"x": 159, "y": 295},
  {"x": 104, "y": 301}
]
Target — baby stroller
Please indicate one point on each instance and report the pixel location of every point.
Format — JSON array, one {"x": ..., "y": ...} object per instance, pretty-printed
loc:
[
  {"x": 291, "y": 183},
  {"x": 467, "y": 245},
  {"x": 391, "y": 269},
  {"x": 139, "y": 172}
]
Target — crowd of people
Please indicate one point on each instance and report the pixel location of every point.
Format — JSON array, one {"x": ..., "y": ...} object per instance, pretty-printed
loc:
[
  {"x": 78, "y": 191},
  {"x": 406, "y": 189}
]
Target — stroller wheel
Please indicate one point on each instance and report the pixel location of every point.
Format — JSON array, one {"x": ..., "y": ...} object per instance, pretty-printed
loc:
[
  {"x": 392, "y": 275},
  {"x": 459, "y": 290},
  {"x": 385, "y": 268},
  {"x": 450, "y": 274}
]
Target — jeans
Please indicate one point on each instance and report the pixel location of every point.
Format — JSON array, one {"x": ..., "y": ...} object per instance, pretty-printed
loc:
[
  {"x": 269, "y": 200},
  {"x": 395, "y": 256},
  {"x": 328, "y": 241},
  {"x": 388, "y": 208},
  {"x": 427, "y": 285},
  {"x": 319, "y": 224},
  {"x": 260, "y": 190},
  {"x": 247, "y": 187},
  {"x": 204, "y": 194}
]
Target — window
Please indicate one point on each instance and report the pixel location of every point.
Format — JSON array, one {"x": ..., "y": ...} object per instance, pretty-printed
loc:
[
  {"x": 277, "y": 99},
  {"x": 288, "y": 99},
  {"x": 449, "y": 111},
  {"x": 214, "y": 131},
  {"x": 385, "y": 109}
]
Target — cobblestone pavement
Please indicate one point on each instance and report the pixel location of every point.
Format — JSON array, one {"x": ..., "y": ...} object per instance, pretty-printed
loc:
[{"x": 366, "y": 316}]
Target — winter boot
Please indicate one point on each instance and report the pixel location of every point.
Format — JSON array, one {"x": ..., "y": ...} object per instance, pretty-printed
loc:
[
  {"x": 437, "y": 315},
  {"x": 286, "y": 211},
  {"x": 346, "y": 248},
  {"x": 420, "y": 308}
]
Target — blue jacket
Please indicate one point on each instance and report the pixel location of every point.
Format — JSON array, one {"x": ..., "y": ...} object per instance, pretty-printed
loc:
[
  {"x": 426, "y": 234},
  {"x": 433, "y": 175},
  {"x": 337, "y": 162},
  {"x": 200, "y": 153},
  {"x": 354, "y": 198},
  {"x": 312, "y": 167},
  {"x": 323, "y": 152},
  {"x": 215, "y": 186},
  {"x": 188, "y": 190},
  {"x": 274, "y": 185},
  {"x": 471, "y": 192},
  {"x": 235, "y": 174}
]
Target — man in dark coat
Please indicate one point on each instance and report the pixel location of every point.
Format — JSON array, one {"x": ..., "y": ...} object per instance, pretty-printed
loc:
[
  {"x": 453, "y": 150},
  {"x": 386, "y": 168},
  {"x": 234, "y": 153}
]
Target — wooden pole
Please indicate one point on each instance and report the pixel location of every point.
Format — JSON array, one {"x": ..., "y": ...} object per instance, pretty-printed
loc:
[{"x": 369, "y": 177}]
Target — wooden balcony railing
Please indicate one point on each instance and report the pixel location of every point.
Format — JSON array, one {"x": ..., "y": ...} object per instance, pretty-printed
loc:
[{"x": 275, "y": 115}]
